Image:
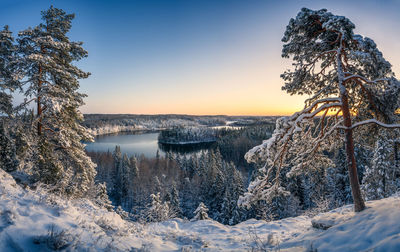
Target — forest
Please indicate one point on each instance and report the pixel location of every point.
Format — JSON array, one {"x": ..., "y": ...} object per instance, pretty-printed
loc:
[
  {"x": 99, "y": 124},
  {"x": 215, "y": 177}
]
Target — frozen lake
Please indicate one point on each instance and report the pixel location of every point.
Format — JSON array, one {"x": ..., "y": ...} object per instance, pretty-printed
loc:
[
  {"x": 132, "y": 143},
  {"x": 138, "y": 143}
]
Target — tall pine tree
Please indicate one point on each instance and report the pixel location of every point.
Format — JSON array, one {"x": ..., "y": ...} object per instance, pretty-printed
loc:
[
  {"x": 8, "y": 83},
  {"x": 47, "y": 57}
]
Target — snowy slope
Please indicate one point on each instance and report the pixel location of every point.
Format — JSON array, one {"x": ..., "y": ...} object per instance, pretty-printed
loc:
[
  {"x": 27, "y": 219},
  {"x": 375, "y": 229}
]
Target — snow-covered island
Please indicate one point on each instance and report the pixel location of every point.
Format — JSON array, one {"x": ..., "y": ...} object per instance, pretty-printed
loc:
[{"x": 188, "y": 135}]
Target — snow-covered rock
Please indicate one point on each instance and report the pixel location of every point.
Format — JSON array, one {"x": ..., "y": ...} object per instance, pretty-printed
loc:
[{"x": 327, "y": 220}]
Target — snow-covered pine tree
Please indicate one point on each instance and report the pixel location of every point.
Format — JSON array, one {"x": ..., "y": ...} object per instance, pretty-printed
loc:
[
  {"x": 200, "y": 213},
  {"x": 157, "y": 163},
  {"x": 100, "y": 197},
  {"x": 118, "y": 173},
  {"x": 8, "y": 154},
  {"x": 158, "y": 210},
  {"x": 132, "y": 180},
  {"x": 9, "y": 79},
  {"x": 134, "y": 170},
  {"x": 213, "y": 190},
  {"x": 125, "y": 180},
  {"x": 380, "y": 177},
  {"x": 230, "y": 212},
  {"x": 191, "y": 166},
  {"x": 47, "y": 57},
  {"x": 8, "y": 83},
  {"x": 157, "y": 188},
  {"x": 337, "y": 180},
  {"x": 174, "y": 201},
  {"x": 121, "y": 212},
  {"x": 345, "y": 74},
  {"x": 189, "y": 196}
]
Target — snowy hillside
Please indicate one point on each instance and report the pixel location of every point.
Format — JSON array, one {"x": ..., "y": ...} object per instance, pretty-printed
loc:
[{"x": 35, "y": 221}]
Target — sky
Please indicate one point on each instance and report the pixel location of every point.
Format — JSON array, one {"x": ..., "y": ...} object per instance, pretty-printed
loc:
[{"x": 207, "y": 57}]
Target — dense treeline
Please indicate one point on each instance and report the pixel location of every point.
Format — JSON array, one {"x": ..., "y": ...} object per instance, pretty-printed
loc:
[
  {"x": 154, "y": 189},
  {"x": 177, "y": 184},
  {"x": 233, "y": 144},
  {"x": 99, "y": 124},
  {"x": 188, "y": 135}
]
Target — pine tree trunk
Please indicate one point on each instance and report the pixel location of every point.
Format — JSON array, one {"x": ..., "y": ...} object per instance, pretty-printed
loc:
[
  {"x": 39, "y": 106},
  {"x": 359, "y": 204}
]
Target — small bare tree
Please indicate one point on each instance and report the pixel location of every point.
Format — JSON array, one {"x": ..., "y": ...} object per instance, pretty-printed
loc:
[{"x": 350, "y": 84}]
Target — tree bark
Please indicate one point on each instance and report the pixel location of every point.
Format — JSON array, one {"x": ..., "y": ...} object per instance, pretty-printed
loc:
[
  {"x": 359, "y": 204},
  {"x": 39, "y": 105}
]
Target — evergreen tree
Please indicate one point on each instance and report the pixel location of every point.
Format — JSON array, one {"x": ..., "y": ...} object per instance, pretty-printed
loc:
[
  {"x": 118, "y": 173},
  {"x": 337, "y": 180},
  {"x": 380, "y": 178},
  {"x": 158, "y": 210},
  {"x": 189, "y": 195},
  {"x": 133, "y": 175},
  {"x": 157, "y": 159},
  {"x": 8, "y": 154},
  {"x": 174, "y": 201},
  {"x": 230, "y": 212},
  {"x": 134, "y": 171},
  {"x": 100, "y": 197},
  {"x": 125, "y": 179},
  {"x": 353, "y": 79},
  {"x": 121, "y": 212},
  {"x": 47, "y": 57},
  {"x": 9, "y": 80},
  {"x": 200, "y": 213},
  {"x": 8, "y": 83},
  {"x": 213, "y": 190},
  {"x": 157, "y": 185},
  {"x": 51, "y": 168}
]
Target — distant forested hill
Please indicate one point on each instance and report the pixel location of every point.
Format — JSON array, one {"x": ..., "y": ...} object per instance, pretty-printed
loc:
[{"x": 99, "y": 124}]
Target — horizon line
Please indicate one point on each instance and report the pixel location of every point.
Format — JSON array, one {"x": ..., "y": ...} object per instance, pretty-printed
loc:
[{"x": 180, "y": 114}]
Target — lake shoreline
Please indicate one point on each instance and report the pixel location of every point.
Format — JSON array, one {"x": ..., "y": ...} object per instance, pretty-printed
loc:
[{"x": 188, "y": 142}]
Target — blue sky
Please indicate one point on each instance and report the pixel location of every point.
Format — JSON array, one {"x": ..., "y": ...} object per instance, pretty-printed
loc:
[{"x": 195, "y": 57}]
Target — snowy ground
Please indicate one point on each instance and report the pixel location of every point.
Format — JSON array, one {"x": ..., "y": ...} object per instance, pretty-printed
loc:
[{"x": 34, "y": 221}]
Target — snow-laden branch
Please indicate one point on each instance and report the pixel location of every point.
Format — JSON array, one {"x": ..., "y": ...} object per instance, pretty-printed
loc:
[
  {"x": 330, "y": 99},
  {"x": 356, "y": 76},
  {"x": 324, "y": 136},
  {"x": 297, "y": 118},
  {"x": 310, "y": 113},
  {"x": 319, "y": 56},
  {"x": 369, "y": 121}
]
